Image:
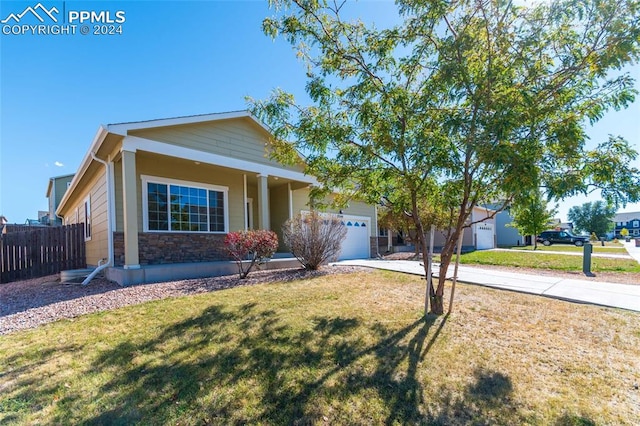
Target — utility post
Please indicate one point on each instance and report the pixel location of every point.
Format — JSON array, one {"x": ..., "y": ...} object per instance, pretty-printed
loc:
[{"x": 586, "y": 259}]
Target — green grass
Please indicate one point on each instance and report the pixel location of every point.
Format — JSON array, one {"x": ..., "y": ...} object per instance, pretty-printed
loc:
[
  {"x": 345, "y": 349},
  {"x": 597, "y": 248},
  {"x": 547, "y": 261}
]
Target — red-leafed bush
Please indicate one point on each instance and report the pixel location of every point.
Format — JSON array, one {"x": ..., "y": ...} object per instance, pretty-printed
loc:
[
  {"x": 250, "y": 247},
  {"x": 314, "y": 239}
]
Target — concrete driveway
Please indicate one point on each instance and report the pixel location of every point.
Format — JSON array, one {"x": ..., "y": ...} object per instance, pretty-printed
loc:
[{"x": 597, "y": 293}]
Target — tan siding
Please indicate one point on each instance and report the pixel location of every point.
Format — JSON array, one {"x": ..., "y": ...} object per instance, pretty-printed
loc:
[
  {"x": 119, "y": 212},
  {"x": 171, "y": 168},
  {"x": 300, "y": 200},
  {"x": 356, "y": 208},
  {"x": 95, "y": 187},
  {"x": 236, "y": 138},
  {"x": 279, "y": 203}
]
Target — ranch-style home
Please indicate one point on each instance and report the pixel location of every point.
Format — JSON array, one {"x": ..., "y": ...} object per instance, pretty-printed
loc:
[{"x": 158, "y": 197}]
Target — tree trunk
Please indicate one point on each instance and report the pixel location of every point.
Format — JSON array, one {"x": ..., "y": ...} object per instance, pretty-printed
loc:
[
  {"x": 437, "y": 301},
  {"x": 446, "y": 255}
]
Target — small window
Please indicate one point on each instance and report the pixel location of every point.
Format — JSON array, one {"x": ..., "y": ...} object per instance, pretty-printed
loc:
[
  {"x": 87, "y": 219},
  {"x": 636, "y": 224},
  {"x": 384, "y": 232}
]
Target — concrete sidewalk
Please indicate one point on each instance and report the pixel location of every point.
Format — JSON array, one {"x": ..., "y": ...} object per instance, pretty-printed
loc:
[
  {"x": 632, "y": 250},
  {"x": 594, "y": 292}
]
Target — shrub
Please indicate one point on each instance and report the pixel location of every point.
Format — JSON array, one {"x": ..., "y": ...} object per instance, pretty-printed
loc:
[
  {"x": 314, "y": 239},
  {"x": 254, "y": 246}
]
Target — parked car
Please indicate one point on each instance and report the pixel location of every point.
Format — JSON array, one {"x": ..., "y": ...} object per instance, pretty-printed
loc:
[{"x": 561, "y": 237}]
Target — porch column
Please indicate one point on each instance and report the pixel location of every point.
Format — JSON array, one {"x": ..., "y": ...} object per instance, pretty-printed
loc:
[
  {"x": 130, "y": 210},
  {"x": 290, "y": 196},
  {"x": 263, "y": 203}
]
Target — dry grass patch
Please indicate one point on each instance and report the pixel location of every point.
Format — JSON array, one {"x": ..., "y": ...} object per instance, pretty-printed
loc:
[{"x": 344, "y": 349}]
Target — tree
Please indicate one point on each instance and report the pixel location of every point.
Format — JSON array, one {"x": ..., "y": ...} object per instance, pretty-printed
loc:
[
  {"x": 593, "y": 217},
  {"x": 314, "y": 239},
  {"x": 624, "y": 233},
  {"x": 460, "y": 104},
  {"x": 393, "y": 216},
  {"x": 255, "y": 246},
  {"x": 531, "y": 215}
]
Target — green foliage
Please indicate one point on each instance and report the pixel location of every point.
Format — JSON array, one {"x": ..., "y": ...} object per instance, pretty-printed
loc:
[
  {"x": 531, "y": 215},
  {"x": 624, "y": 232},
  {"x": 255, "y": 246},
  {"x": 460, "y": 104},
  {"x": 593, "y": 217}
]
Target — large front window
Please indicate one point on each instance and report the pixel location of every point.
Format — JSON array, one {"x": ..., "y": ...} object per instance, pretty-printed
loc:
[{"x": 184, "y": 206}]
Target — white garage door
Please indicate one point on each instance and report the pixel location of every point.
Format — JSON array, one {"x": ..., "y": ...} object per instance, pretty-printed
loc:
[
  {"x": 356, "y": 244},
  {"x": 484, "y": 236}
]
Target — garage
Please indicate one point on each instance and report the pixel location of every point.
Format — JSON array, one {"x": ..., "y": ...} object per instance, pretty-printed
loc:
[
  {"x": 484, "y": 236},
  {"x": 356, "y": 244}
]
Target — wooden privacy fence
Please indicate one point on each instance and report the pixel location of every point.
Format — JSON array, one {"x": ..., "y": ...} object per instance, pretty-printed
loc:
[{"x": 41, "y": 251}]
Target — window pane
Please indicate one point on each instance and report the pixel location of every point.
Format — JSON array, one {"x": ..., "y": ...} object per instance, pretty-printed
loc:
[
  {"x": 156, "y": 206},
  {"x": 216, "y": 211}
]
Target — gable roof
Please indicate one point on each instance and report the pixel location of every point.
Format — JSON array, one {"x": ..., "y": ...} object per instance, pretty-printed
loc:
[
  {"x": 120, "y": 130},
  {"x": 123, "y": 128},
  {"x": 54, "y": 178},
  {"x": 626, "y": 217}
]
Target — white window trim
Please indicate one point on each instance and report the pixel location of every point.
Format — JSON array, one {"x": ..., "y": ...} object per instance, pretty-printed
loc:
[
  {"x": 199, "y": 185},
  {"x": 249, "y": 208},
  {"x": 87, "y": 218}
]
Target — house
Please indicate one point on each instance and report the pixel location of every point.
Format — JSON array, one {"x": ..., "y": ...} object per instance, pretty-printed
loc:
[
  {"x": 481, "y": 235},
  {"x": 630, "y": 221},
  {"x": 55, "y": 191},
  {"x": 158, "y": 197}
]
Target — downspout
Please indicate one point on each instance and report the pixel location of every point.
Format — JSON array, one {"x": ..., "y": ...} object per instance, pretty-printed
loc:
[{"x": 102, "y": 266}]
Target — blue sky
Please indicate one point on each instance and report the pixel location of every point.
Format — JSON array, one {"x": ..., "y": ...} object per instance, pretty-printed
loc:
[{"x": 172, "y": 59}]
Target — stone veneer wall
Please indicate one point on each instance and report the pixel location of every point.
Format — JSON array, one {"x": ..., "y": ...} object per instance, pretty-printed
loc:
[
  {"x": 162, "y": 248},
  {"x": 373, "y": 245}
]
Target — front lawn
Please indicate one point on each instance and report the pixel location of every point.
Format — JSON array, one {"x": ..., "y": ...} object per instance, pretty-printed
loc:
[
  {"x": 547, "y": 261},
  {"x": 609, "y": 247},
  {"x": 343, "y": 349}
]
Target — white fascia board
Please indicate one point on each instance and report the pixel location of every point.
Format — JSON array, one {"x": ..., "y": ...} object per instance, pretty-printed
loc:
[
  {"x": 98, "y": 139},
  {"x": 134, "y": 143},
  {"x": 123, "y": 128}
]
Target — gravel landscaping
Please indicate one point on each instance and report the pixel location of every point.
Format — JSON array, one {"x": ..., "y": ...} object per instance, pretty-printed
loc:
[{"x": 30, "y": 303}]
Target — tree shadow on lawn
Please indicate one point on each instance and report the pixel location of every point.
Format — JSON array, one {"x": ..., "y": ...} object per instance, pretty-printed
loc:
[{"x": 248, "y": 365}]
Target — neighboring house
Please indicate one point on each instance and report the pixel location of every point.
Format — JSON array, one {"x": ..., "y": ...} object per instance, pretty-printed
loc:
[
  {"x": 480, "y": 236},
  {"x": 394, "y": 241},
  {"x": 559, "y": 225},
  {"x": 3, "y": 222},
  {"x": 55, "y": 191},
  {"x": 158, "y": 197},
  {"x": 507, "y": 235},
  {"x": 630, "y": 221}
]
